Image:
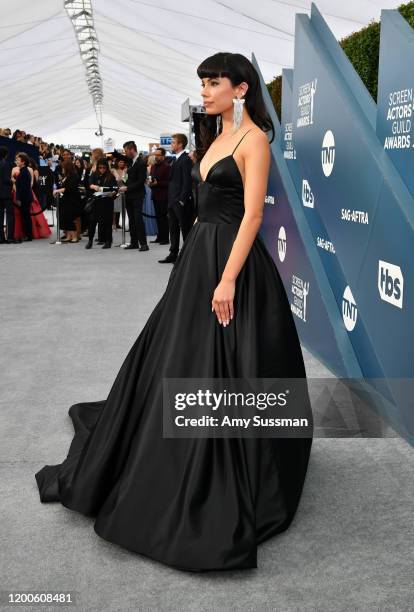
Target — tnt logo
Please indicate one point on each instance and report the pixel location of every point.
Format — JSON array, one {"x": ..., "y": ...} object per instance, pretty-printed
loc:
[
  {"x": 349, "y": 309},
  {"x": 328, "y": 153},
  {"x": 307, "y": 195},
  {"x": 390, "y": 283},
  {"x": 281, "y": 243}
]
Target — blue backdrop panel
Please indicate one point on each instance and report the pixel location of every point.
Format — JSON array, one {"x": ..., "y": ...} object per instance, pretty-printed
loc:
[
  {"x": 285, "y": 244},
  {"x": 395, "y": 119},
  {"x": 284, "y": 227},
  {"x": 342, "y": 221}
]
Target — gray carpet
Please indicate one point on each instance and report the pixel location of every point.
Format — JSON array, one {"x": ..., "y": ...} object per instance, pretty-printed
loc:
[{"x": 68, "y": 319}]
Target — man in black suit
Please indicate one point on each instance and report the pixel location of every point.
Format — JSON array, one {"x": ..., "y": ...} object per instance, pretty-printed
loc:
[
  {"x": 134, "y": 190},
  {"x": 180, "y": 196},
  {"x": 6, "y": 204}
]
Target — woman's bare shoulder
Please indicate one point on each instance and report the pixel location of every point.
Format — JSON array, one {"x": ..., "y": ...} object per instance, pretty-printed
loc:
[
  {"x": 256, "y": 144},
  {"x": 257, "y": 135}
]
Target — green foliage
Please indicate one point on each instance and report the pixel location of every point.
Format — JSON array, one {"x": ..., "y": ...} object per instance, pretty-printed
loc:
[
  {"x": 407, "y": 11},
  {"x": 362, "y": 50},
  {"x": 275, "y": 90}
]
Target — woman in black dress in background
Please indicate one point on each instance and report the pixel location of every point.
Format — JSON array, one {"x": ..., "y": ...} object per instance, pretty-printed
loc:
[
  {"x": 23, "y": 180},
  {"x": 36, "y": 176},
  {"x": 70, "y": 203},
  {"x": 199, "y": 503},
  {"x": 84, "y": 189}
]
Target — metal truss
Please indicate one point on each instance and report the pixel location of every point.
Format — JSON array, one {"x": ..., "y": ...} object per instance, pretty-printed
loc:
[{"x": 81, "y": 15}]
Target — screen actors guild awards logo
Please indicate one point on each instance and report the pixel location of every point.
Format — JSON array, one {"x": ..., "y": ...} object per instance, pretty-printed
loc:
[
  {"x": 300, "y": 291},
  {"x": 312, "y": 96},
  {"x": 306, "y": 96}
]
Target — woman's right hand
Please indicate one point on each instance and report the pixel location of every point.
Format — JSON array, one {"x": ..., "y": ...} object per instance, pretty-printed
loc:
[{"x": 223, "y": 301}]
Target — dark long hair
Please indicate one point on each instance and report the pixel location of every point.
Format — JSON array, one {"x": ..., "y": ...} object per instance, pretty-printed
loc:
[
  {"x": 69, "y": 168},
  {"x": 82, "y": 165},
  {"x": 237, "y": 68},
  {"x": 102, "y": 161},
  {"x": 33, "y": 164}
]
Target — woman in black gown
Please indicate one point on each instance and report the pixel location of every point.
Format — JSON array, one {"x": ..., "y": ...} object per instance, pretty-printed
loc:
[
  {"x": 199, "y": 503},
  {"x": 70, "y": 204}
]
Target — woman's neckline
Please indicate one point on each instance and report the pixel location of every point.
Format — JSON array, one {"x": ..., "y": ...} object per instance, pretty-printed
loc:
[
  {"x": 230, "y": 156},
  {"x": 221, "y": 159}
]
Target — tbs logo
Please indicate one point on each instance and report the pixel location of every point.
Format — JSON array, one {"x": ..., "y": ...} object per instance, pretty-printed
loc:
[
  {"x": 328, "y": 153},
  {"x": 307, "y": 195},
  {"x": 390, "y": 283}
]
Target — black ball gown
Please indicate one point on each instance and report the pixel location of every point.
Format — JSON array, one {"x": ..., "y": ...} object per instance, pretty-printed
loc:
[{"x": 197, "y": 503}]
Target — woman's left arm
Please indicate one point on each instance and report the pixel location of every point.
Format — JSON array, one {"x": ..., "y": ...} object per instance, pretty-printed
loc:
[{"x": 256, "y": 170}]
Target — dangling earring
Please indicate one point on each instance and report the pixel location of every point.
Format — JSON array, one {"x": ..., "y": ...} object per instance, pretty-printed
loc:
[
  {"x": 218, "y": 124},
  {"x": 237, "y": 113}
]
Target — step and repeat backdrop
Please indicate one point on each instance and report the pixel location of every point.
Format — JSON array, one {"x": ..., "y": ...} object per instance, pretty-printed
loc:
[{"x": 339, "y": 213}]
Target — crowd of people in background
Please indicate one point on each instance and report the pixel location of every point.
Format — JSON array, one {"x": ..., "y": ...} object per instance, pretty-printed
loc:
[
  {"x": 90, "y": 191},
  {"x": 19, "y": 203}
]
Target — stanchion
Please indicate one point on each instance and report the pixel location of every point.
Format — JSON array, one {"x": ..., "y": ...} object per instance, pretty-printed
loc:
[
  {"x": 57, "y": 204},
  {"x": 123, "y": 222},
  {"x": 53, "y": 218}
]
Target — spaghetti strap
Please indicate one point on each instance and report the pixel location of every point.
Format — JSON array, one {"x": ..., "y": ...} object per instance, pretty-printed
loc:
[{"x": 241, "y": 140}]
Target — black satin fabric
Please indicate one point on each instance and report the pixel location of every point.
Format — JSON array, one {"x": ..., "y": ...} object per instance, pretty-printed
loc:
[{"x": 194, "y": 504}]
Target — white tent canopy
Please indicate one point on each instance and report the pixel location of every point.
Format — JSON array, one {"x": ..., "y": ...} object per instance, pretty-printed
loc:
[{"x": 149, "y": 52}]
